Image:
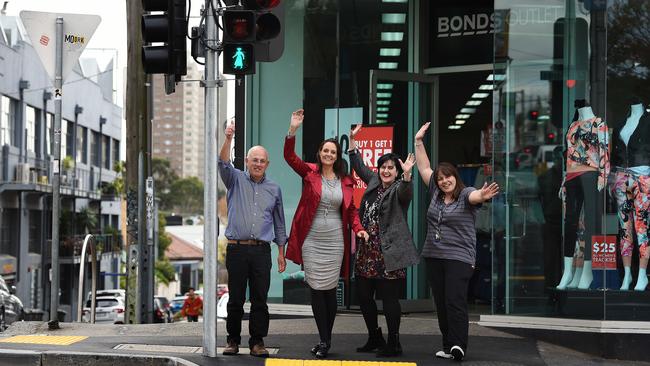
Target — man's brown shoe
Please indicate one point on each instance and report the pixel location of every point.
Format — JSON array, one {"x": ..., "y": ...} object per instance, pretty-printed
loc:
[
  {"x": 259, "y": 350},
  {"x": 231, "y": 349}
]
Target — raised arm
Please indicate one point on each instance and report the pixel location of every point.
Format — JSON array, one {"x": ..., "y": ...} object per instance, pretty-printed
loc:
[
  {"x": 485, "y": 193},
  {"x": 290, "y": 156},
  {"x": 356, "y": 161},
  {"x": 421, "y": 157},
  {"x": 224, "y": 154},
  {"x": 405, "y": 189}
]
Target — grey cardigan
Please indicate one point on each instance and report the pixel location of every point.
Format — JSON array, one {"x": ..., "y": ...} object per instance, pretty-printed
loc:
[{"x": 397, "y": 244}]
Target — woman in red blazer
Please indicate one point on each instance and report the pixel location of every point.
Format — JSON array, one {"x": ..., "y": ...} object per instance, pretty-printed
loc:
[{"x": 318, "y": 239}]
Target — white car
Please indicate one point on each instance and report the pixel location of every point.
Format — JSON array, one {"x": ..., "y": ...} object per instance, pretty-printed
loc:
[
  {"x": 113, "y": 292},
  {"x": 108, "y": 309}
]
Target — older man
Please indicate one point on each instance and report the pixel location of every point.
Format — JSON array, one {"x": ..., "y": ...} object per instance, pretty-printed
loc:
[{"x": 255, "y": 218}]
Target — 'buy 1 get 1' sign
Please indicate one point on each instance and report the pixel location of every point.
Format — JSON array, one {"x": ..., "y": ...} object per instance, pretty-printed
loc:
[{"x": 603, "y": 252}]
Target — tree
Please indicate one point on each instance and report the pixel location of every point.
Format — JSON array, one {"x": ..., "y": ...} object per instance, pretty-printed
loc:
[
  {"x": 187, "y": 195},
  {"x": 164, "y": 177},
  {"x": 86, "y": 220},
  {"x": 628, "y": 56}
]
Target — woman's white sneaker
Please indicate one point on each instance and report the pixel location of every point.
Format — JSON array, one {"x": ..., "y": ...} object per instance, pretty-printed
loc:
[
  {"x": 443, "y": 354},
  {"x": 457, "y": 353}
]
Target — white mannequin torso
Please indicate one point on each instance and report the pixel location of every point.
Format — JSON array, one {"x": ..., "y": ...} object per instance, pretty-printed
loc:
[{"x": 636, "y": 111}]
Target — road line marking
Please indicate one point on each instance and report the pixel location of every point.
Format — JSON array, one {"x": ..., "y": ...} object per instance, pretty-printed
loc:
[{"x": 38, "y": 339}]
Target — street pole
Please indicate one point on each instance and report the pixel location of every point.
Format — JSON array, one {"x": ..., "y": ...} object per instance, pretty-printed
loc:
[
  {"x": 56, "y": 178},
  {"x": 137, "y": 165},
  {"x": 210, "y": 229}
]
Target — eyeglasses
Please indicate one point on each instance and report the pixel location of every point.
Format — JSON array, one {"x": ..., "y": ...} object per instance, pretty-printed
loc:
[{"x": 259, "y": 161}]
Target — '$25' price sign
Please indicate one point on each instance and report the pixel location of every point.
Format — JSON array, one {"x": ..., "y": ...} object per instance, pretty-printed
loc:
[{"x": 603, "y": 251}]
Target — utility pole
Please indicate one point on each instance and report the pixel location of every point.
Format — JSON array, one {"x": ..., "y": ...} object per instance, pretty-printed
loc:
[
  {"x": 211, "y": 225},
  {"x": 56, "y": 179},
  {"x": 137, "y": 167}
]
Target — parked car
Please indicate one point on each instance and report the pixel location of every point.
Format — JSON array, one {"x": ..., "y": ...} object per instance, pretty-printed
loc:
[
  {"x": 108, "y": 309},
  {"x": 177, "y": 303},
  {"x": 162, "y": 312},
  {"x": 11, "y": 308},
  {"x": 111, "y": 292}
]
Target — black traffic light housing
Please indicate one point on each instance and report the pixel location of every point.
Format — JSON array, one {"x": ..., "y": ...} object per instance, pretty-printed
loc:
[
  {"x": 169, "y": 28},
  {"x": 269, "y": 35},
  {"x": 252, "y": 34}
]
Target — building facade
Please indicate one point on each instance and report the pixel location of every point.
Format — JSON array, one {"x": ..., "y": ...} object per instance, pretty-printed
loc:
[
  {"x": 90, "y": 146},
  {"x": 510, "y": 87}
]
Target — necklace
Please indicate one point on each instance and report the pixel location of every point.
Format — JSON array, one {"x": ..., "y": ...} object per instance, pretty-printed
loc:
[{"x": 329, "y": 186}]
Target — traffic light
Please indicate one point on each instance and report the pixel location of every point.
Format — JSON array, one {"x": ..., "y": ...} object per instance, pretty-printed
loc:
[
  {"x": 533, "y": 115},
  {"x": 269, "y": 21},
  {"x": 252, "y": 34},
  {"x": 168, "y": 27},
  {"x": 238, "y": 42}
]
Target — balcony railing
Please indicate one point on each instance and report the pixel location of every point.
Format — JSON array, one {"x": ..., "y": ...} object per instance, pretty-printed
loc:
[{"x": 17, "y": 169}]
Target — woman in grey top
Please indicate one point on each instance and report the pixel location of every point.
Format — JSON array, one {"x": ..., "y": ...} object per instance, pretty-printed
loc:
[
  {"x": 450, "y": 245},
  {"x": 381, "y": 261}
]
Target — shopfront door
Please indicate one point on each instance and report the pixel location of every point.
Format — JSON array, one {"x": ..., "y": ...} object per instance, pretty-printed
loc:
[{"x": 407, "y": 100}]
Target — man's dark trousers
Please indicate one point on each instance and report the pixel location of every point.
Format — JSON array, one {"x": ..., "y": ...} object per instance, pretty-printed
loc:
[{"x": 248, "y": 265}]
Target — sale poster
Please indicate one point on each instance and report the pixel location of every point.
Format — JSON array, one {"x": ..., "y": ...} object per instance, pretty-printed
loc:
[{"x": 372, "y": 143}]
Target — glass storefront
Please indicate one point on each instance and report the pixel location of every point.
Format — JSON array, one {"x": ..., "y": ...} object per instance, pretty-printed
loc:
[
  {"x": 569, "y": 86},
  {"x": 546, "y": 98}
]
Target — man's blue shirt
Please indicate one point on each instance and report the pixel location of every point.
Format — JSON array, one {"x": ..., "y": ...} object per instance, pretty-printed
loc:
[{"x": 255, "y": 210}]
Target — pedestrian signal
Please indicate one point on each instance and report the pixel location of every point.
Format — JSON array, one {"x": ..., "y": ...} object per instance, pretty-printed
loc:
[{"x": 238, "y": 59}]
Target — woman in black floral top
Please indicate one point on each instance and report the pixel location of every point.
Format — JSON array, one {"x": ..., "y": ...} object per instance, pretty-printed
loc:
[{"x": 381, "y": 260}]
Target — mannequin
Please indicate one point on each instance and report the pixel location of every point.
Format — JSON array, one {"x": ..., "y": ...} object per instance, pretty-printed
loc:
[
  {"x": 587, "y": 167},
  {"x": 630, "y": 187}
]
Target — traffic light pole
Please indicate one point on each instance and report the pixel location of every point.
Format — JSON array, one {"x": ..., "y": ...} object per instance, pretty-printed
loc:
[
  {"x": 211, "y": 225},
  {"x": 56, "y": 177}
]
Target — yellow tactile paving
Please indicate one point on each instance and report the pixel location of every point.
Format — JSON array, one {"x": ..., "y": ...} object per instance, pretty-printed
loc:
[
  {"x": 288, "y": 362},
  {"x": 45, "y": 339},
  {"x": 282, "y": 362}
]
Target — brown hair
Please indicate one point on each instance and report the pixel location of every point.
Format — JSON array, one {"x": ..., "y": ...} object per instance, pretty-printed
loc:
[
  {"x": 447, "y": 169},
  {"x": 339, "y": 168}
]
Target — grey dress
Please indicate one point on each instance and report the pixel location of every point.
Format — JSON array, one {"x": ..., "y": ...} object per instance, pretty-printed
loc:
[{"x": 322, "y": 251}]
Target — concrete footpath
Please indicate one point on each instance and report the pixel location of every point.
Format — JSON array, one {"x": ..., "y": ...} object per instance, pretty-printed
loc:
[{"x": 291, "y": 335}]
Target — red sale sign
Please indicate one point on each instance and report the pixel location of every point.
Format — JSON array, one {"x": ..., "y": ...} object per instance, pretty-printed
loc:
[
  {"x": 372, "y": 142},
  {"x": 603, "y": 252}
]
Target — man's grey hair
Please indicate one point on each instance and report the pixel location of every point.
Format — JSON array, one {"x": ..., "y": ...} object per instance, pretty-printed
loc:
[{"x": 248, "y": 154}]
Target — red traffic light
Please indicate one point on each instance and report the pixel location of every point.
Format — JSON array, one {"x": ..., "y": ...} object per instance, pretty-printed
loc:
[
  {"x": 551, "y": 136},
  {"x": 533, "y": 115},
  {"x": 239, "y": 25}
]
